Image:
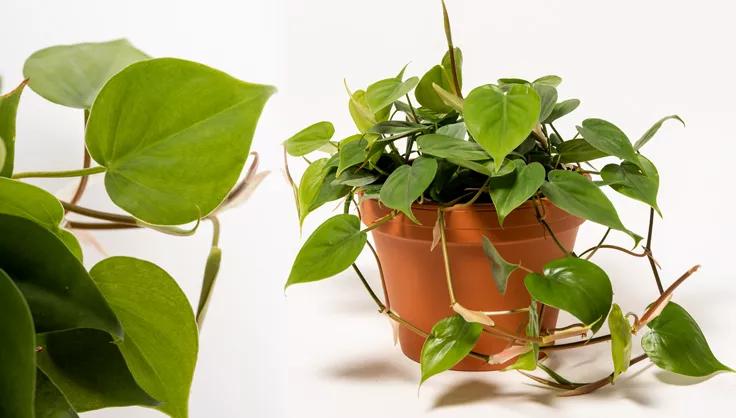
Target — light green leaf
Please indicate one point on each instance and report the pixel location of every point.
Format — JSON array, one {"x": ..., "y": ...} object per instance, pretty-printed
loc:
[
  {"x": 160, "y": 345},
  {"x": 482, "y": 167},
  {"x": 310, "y": 186},
  {"x": 620, "y": 340},
  {"x": 608, "y": 138},
  {"x": 455, "y": 130},
  {"x": 407, "y": 183},
  {"x": 56, "y": 286},
  {"x": 631, "y": 181},
  {"x": 451, "y": 339},
  {"x": 574, "y": 285},
  {"x": 450, "y": 99},
  {"x": 362, "y": 115},
  {"x": 500, "y": 268},
  {"x": 72, "y": 75},
  {"x": 653, "y": 130},
  {"x": 382, "y": 94},
  {"x": 50, "y": 402},
  {"x": 329, "y": 190},
  {"x": 8, "y": 111},
  {"x": 447, "y": 67},
  {"x": 528, "y": 180},
  {"x": 3, "y": 154},
  {"x": 352, "y": 152},
  {"x": 310, "y": 139},
  {"x": 89, "y": 370},
  {"x": 501, "y": 119},
  {"x": 425, "y": 92},
  {"x": 17, "y": 352},
  {"x": 577, "y": 150},
  {"x": 332, "y": 247},
  {"x": 676, "y": 343},
  {"x": 549, "y": 80},
  {"x": 174, "y": 136},
  {"x": 443, "y": 146},
  {"x": 576, "y": 194},
  {"x": 548, "y": 100},
  {"x": 561, "y": 109},
  {"x": 355, "y": 178}
]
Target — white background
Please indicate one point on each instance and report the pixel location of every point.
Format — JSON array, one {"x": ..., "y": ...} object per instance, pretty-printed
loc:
[{"x": 322, "y": 351}]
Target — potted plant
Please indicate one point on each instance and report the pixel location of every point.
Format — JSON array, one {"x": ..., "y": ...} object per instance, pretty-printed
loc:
[
  {"x": 473, "y": 199},
  {"x": 171, "y": 138}
]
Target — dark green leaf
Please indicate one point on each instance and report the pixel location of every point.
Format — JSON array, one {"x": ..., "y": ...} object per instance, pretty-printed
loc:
[
  {"x": 396, "y": 127},
  {"x": 577, "y": 150},
  {"x": 50, "y": 402},
  {"x": 482, "y": 167},
  {"x": 407, "y": 183},
  {"x": 561, "y": 109},
  {"x": 528, "y": 180},
  {"x": 382, "y": 94},
  {"x": 443, "y": 146},
  {"x": 620, "y": 340},
  {"x": 330, "y": 190},
  {"x": 8, "y": 111},
  {"x": 500, "y": 268},
  {"x": 629, "y": 180},
  {"x": 310, "y": 139},
  {"x": 653, "y": 130},
  {"x": 451, "y": 339},
  {"x": 548, "y": 99},
  {"x": 608, "y": 138}
]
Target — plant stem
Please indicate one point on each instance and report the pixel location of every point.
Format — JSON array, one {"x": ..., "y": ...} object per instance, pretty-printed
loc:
[
  {"x": 380, "y": 272},
  {"x": 612, "y": 247},
  {"x": 381, "y": 306},
  {"x": 540, "y": 219},
  {"x": 92, "y": 213},
  {"x": 591, "y": 387},
  {"x": 100, "y": 225},
  {"x": 60, "y": 174},
  {"x": 583, "y": 343},
  {"x": 507, "y": 312},
  {"x": 555, "y": 131},
  {"x": 595, "y": 249},
  {"x": 445, "y": 255},
  {"x": 648, "y": 248},
  {"x": 86, "y": 162},
  {"x": 380, "y": 221},
  {"x": 215, "y": 230}
]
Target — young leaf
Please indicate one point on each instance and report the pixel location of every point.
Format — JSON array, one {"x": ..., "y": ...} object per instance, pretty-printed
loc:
[
  {"x": 8, "y": 110},
  {"x": 17, "y": 356},
  {"x": 561, "y": 109},
  {"x": 352, "y": 152},
  {"x": 574, "y": 285},
  {"x": 72, "y": 75},
  {"x": 676, "y": 343},
  {"x": 160, "y": 345},
  {"x": 182, "y": 135},
  {"x": 451, "y": 339},
  {"x": 629, "y": 180},
  {"x": 310, "y": 139},
  {"x": 608, "y": 138},
  {"x": 407, "y": 183},
  {"x": 500, "y": 268},
  {"x": 578, "y": 150},
  {"x": 620, "y": 340},
  {"x": 548, "y": 99},
  {"x": 574, "y": 193},
  {"x": 447, "y": 147},
  {"x": 528, "y": 180},
  {"x": 50, "y": 402},
  {"x": 425, "y": 92},
  {"x": 501, "y": 119},
  {"x": 56, "y": 285},
  {"x": 382, "y": 94},
  {"x": 310, "y": 186},
  {"x": 362, "y": 115},
  {"x": 447, "y": 67},
  {"x": 653, "y": 130},
  {"x": 332, "y": 247},
  {"x": 211, "y": 269},
  {"x": 89, "y": 370},
  {"x": 450, "y": 99}
]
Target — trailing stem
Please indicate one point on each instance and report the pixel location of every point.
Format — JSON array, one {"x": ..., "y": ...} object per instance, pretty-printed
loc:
[
  {"x": 445, "y": 255},
  {"x": 536, "y": 202},
  {"x": 648, "y": 248},
  {"x": 60, "y": 174},
  {"x": 87, "y": 161}
]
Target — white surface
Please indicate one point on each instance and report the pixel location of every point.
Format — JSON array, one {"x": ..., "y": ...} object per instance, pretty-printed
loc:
[{"x": 323, "y": 351}]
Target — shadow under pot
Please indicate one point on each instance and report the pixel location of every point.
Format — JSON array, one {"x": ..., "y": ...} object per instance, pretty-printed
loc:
[{"x": 415, "y": 275}]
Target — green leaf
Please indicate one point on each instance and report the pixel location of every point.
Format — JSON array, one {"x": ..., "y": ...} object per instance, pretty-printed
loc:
[
  {"x": 382, "y": 94},
  {"x": 561, "y": 109},
  {"x": 8, "y": 111},
  {"x": 50, "y": 402},
  {"x": 332, "y": 247},
  {"x": 17, "y": 355},
  {"x": 500, "y": 268},
  {"x": 451, "y": 339},
  {"x": 576, "y": 194},
  {"x": 447, "y": 66},
  {"x": 329, "y": 191},
  {"x": 407, "y": 183},
  {"x": 33, "y": 203},
  {"x": 72, "y": 75},
  {"x": 608, "y": 138},
  {"x": 89, "y": 370},
  {"x": 160, "y": 345},
  {"x": 501, "y": 119},
  {"x": 528, "y": 361},
  {"x": 676, "y": 343},
  {"x": 355, "y": 178},
  {"x": 362, "y": 115},
  {"x": 455, "y": 130},
  {"x": 620, "y": 340},
  {"x": 450, "y": 99},
  {"x": 507, "y": 81},
  {"x": 396, "y": 127},
  {"x": 310, "y": 139},
  {"x": 440, "y": 75},
  {"x": 352, "y": 152},
  {"x": 574, "y": 285},
  {"x": 174, "y": 136},
  {"x": 54, "y": 282},
  {"x": 629, "y": 180},
  {"x": 443, "y": 146},
  {"x": 549, "y": 80},
  {"x": 548, "y": 100},
  {"x": 653, "y": 130},
  {"x": 578, "y": 150},
  {"x": 528, "y": 180},
  {"x": 310, "y": 186}
]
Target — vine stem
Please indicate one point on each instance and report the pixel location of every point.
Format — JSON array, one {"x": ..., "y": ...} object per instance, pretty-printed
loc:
[
  {"x": 540, "y": 219},
  {"x": 380, "y": 221},
  {"x": 591, "y": 387},
  {"x": 445, "y": 255},
  {"x": 100, "y": 225},
  {"x": 60, "y": 174},
  {"x": 648, "y": 248},
  {"x": 583, "y": 343},
  {"x": 595, "y": 249},
  {"x": 86, "y": 162},
  {"x": 93, "y": 213},
  {"x": 613, "y": 247}
]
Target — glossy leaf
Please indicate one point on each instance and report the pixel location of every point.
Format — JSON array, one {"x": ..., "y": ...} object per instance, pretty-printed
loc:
[
  {"x": 528, "y": 180},
  {"x": 50, "y": 402},
  {"x": 310, "y": 186},
  {"x": 676, "y": 343},
  {"x": 89, "y": 370},
  {"x": 547, "y": 100},
  {"x": 561, "y": 109},
  {"x": 576, "y": 194},
  {"x": 310, "y": 139},
  {"x": 160, "y": 345},
  {"x": 500, "y": 268},
  {"x": 620, "y": 340},
  {"x": 72, "y": 75},
  {"x": 407, "y": 183},
  {"x": 443, "y": 146},
  {"x": 17, "y": 355},
  {"x": 451, "y": 339},
  {"x": 382, "y": 94},
  {"x": 352, "y": 152},
  {"x": 501, "y": 119},
  {"x": 577, "y": 150},
  {"x": 331, "y": 248},
  {"x": 8, "y": 111},
  {"x": 56, "y": 285},
  {"x": 608, "y": 138},
  {"x": 182, "y": 132},
  {"x": 629, "y": 180},
  {"x": 574, "y": 285},
  {"x": 654, "y": 129},
  {"x": 329, "y": 191}
]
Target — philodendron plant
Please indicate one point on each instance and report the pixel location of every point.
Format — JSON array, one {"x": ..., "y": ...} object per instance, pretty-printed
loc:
[
  {"x": 498, "y": 143},
  {"x": 171, "y": 138}
]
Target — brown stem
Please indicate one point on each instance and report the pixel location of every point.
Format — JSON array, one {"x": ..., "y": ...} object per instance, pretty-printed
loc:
[
  {"x": 540, "y": 218},
  {"x": 92, "y": 213},
  {"x": 380, "y": 272},
  {"x": 451, "y": 50},
  {"x": 614, "y": 247},
  {"x": 654, "y": 307},
  {"x": 583, "y": 343},
  {"x": 240, "y": 187},
  {"x": 82, "y": 186},
  {"x": 648, "y": 249},
  {"x": 591, "y": 387},
  {"x": 595, "y": 249}
]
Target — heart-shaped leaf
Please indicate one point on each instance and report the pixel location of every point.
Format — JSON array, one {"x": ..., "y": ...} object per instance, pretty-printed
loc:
[
  {"x": 577, "y": 150},
  {"x": 441, "y": 75},
  {"x": 72, "y": 75},
  {"x": 160, "y": 345},
  {"x": 310, "y": 139},
  {"x": 310, "y": 186},
  {"x": 500, "y": 119},
  {"x": 332, "y": 247},
  {"x": 174, "y": 136},
  {"x": 54, "y": 282},
  {"x": 561, "y": 109},
  {"x": 676, "y": 343},
  {"x": 443, "y": 146},
  {"x": 17, "y": 355},
  {"x": 361, "y": 113},
  {"x": 407, "y": 183},
  {"x": 382, "y": 94},
  {"x": 8, "y": 111},
  {"x": 608, "y": 138},
  {"x": 574, "y": 285},
  {"x": 50, "y": 402},
  {"x": 654, "y": 129},
  {"x": 548, "y": 99},
  {"x": 528, "y": 180},
  {"x": 352, "y": 152},
  {"x": 500, "y": 268},
  {"x": 631, "y": 181},
  {"x": 451, "y": 339},
  {"x": 620, "y": 340}
]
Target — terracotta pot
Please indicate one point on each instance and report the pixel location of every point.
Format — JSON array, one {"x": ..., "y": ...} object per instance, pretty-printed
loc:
[{"x": 415, "y": 276}]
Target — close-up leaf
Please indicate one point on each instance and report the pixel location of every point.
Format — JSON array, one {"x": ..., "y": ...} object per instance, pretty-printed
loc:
[
  {"x": 50, "y": 402},
  {"x": 8, "y": 112},
  {"x": 451, "y": 339},
  {"x": 526, "y": 183},
  {"x": 310, "y": 139},
  {"x": 620, "y": 340},
  {"x": 361, "y": 113},
  {"x": 500, "y": 268},
  {"x": 407, "y": 183},
  {"x": 608, "y": 138},
  {"x": 549, "y": 80}
]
